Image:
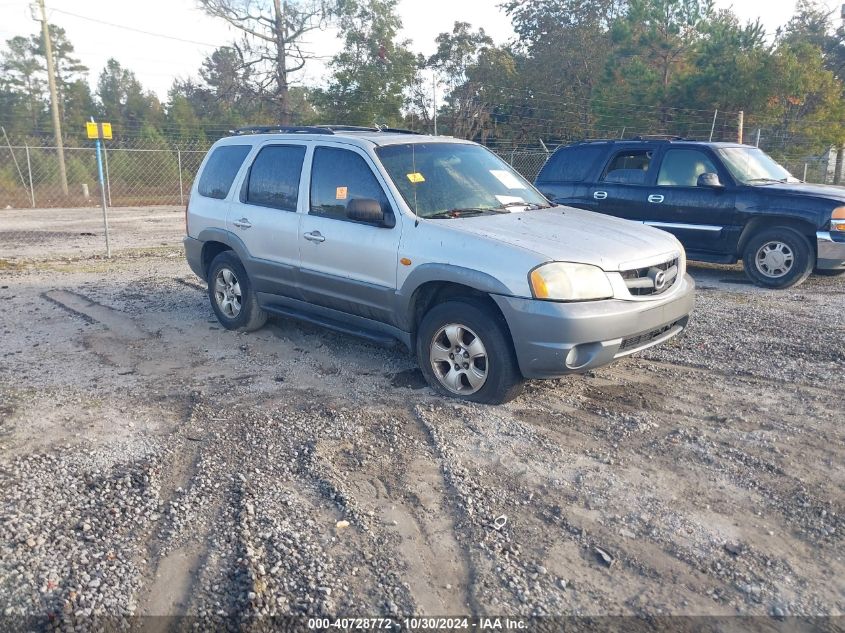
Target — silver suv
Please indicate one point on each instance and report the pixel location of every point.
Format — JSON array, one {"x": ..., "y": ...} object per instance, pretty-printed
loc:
[{"x": 431, "y": 241}]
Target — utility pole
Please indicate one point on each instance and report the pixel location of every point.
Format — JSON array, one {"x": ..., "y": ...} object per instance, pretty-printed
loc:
[
  {"x": 434, "y": 97},
  {"x": 54, "y": 95}
]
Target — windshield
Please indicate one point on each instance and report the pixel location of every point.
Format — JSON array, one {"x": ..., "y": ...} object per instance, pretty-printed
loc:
[
  {"x": 454, "y": 179},
  {"x": 751, "y": 165}
]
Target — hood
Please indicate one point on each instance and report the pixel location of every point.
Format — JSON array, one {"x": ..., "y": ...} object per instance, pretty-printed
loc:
[
  {"x": 566, "y": 234},
  {"x": 831, "y": 192}
]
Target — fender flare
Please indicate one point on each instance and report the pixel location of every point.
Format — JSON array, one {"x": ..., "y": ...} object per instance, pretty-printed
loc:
[{"x": 445, "y": 273}]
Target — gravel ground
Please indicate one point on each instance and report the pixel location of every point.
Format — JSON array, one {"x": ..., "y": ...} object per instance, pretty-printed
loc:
[{"x": 153, "y": 463}]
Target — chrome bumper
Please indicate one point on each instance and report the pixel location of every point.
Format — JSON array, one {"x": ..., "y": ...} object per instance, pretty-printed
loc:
[{"x": 831, "y": 252}]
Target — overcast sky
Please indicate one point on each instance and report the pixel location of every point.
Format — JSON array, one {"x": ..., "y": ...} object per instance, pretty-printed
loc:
[{"x": 156, "y": 61}]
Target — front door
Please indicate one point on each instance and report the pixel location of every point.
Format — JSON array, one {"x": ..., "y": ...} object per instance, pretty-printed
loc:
[
  {"x": 347, "y": 265},
  {"x": 703, "y": 218}
]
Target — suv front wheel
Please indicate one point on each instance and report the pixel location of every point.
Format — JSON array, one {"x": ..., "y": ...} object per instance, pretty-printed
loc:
[
  {"x": 231, "y": 294},
  {"x": 779, "y": 257},
  {"x": 464, "y": 351}
]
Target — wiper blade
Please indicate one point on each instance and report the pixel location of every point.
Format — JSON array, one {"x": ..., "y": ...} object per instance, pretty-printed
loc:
[
  {"x": 530, "y": 205},
  {"x": 461, "y": 213},
  {"x": 764, "y": 180}
]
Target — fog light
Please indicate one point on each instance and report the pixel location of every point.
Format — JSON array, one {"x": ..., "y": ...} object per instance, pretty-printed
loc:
[{"x": 582, "y": 355}]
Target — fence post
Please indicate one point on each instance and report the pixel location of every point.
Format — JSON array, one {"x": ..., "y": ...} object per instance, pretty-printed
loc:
[
  {"x": 29, "y": 170},
  {"x": 740, "y": 124},
  {"x": 108, "y": 180},
  {"x": 805, "y": 173},
  {"x": 181, "y": 188}
]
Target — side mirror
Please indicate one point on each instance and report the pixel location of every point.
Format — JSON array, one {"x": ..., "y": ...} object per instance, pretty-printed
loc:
[
  {"x": 369, "y": 211},
  {"x": 709, "y": 180}
]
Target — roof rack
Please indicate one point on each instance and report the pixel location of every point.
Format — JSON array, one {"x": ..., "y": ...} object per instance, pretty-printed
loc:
[
  {"x": 284, "y": 129},
  {"x": 361, "y": 128},
  {"x": 314, "y": 129},
  {"x": 659, "y": 137}
]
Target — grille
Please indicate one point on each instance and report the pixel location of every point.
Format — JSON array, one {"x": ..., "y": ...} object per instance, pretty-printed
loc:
[
  {"x": 651, "y": 280},
  {"x": 642, "y": 339}
]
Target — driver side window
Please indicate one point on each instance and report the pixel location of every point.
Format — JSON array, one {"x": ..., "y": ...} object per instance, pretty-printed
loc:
[
  {"x": 682, "y": 167},
  {"x": 339, "y": 176}
]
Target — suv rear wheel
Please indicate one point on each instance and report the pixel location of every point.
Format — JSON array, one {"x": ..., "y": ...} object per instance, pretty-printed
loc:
[
  {"x": 464, "y": 351},
  {"x": 231, "y": 294},
  {"x": 779, "y": 257}
]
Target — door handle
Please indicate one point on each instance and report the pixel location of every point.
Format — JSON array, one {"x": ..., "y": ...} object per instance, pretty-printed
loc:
[
  {"x": 656, "y": 198},
  {"x": 243, "y": 223},
  {"x": 599, "y": 195},
  {"x": 314, "y": 236}
]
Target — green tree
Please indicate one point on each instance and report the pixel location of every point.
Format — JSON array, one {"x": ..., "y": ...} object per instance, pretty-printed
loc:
[
  {"x": 23, "y": 75},
  {"x": 478, "y": 77},
  {"x": 124, "y": 101},
  {"x": 372, "y": 75}
]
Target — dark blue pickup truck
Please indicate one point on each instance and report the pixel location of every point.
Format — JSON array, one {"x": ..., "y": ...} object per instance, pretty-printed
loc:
[{"x": 724, "y": 201}]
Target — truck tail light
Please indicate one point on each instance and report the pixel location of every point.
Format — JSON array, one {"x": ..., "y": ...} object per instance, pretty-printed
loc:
[{"x": 187, "y": 204}]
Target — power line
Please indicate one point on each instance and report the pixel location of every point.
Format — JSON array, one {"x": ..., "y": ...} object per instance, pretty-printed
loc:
[{"x": 134, "y": 30}]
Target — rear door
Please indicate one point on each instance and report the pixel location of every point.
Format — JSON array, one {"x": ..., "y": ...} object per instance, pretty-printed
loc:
[
  {"x": 566, "y": 177},
  {"x": 623, "y": 186},
  {"x": 266, "y": 219},
  {"x": 705, "y": 219},
  {"x": 209, "y": 208},
  {"x": 346, "y": 265}
]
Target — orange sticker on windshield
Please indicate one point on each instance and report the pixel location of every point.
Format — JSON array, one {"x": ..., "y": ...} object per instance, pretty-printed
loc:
[
  {"x": 340, "y": 194},
  {"x": 416, "y": 177}
]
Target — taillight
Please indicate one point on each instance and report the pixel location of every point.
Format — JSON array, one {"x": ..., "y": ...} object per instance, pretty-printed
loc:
[{"x": 186, "y": 214}]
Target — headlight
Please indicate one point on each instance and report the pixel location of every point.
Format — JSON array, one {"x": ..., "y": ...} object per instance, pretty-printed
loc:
[
  {"x": 837, "y": 219},
  {"x": 562, "y": 281}
]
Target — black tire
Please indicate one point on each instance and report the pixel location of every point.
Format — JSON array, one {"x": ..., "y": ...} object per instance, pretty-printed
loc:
[
  {"x": 502, "y": 380},
  {"x": 249, "y": 316},
  {"x": 793, "y": 264},
  {"x": 835, "y": 272}
]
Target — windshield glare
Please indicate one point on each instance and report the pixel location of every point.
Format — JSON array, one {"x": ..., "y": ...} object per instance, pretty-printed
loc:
[
  {"x": 749, "y": 164},
  {"x": 435, "y": 178}
]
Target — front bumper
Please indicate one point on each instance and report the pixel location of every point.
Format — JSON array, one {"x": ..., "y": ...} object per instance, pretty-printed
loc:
[
  {"x": 552, "y": 339},
  {"x": 831, "y": 251}
]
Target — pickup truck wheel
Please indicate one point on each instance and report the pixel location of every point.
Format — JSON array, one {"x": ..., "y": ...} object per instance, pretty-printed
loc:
[
  {"x": 231, "y": 295},
  {"x": 779, "y": 257},
  {"x": 464, "y": 351}
]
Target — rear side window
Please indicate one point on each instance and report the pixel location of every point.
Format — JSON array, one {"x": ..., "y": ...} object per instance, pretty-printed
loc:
[
  {"x": 338, "y": 176},
  {"x": 274, "y": 177},
  {"x": 629, "y": 167},
  {"x": 572, "y": 164},
  {"x": 221, "y": 169}
]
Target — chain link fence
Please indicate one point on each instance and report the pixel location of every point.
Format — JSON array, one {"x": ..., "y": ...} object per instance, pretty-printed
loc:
[
  {"x": 135, "y": 176},
  {"x": 147, "y": 186}
]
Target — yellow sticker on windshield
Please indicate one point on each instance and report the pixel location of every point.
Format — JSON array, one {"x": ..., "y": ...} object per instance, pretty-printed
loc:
[
  {"x": 340, "y": 193},
  {"x": 416, "y": 177}
]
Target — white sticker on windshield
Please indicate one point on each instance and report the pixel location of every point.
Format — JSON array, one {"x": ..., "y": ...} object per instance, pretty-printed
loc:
[
  {"x": 510, "y": 200},
  {"x": 507, "y": 179}
]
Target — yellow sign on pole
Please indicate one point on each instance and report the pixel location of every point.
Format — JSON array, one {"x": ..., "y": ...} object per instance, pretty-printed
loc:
[{"x": 98, "y": 130}]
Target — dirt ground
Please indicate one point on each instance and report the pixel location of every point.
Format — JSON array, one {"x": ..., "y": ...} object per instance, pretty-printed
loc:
[{"x": 154, "y": 463}]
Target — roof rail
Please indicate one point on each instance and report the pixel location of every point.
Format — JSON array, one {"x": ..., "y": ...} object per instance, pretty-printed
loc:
[
  {"x": 284, "y": 129},
  {"x": 361, "y": 128},
  {"x": 314, "y": 129},
  {"x": 659, "y": 137}
]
